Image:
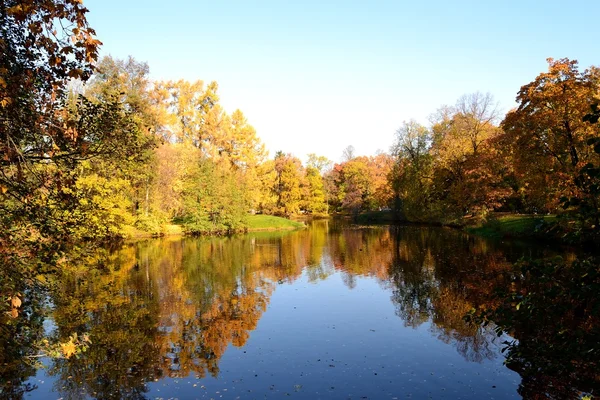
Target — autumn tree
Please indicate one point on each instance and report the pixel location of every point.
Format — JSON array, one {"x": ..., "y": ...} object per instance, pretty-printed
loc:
[
  {"x": 476, "y": 116},
  {"x": 547, "y": 132},
  {"x": 266, "y": 202},
  {"x": 190, "y": 103},
  {"x": 411, "y": 174},
  {"x": 316, "y": 194},
  {"x": 128, "y": 82},
  {"x": 467, "y": 169},
  {"x": 288, "y": 186},
  {"x": 46, "y": 137},
  {"x": 320, "y": 163},
  {"x": 380, "y": 167}
]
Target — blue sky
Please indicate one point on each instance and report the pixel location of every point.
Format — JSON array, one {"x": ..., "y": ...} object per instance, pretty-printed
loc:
[{"x": 317, "y": 76}]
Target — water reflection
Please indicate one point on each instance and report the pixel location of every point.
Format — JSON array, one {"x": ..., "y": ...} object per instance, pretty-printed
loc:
[{"x": 172, "y": 307}]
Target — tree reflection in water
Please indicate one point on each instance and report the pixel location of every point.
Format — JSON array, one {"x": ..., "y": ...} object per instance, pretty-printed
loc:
[{"x": 171, "y": 307}]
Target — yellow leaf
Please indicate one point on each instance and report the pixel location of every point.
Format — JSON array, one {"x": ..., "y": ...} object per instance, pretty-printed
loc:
[{"x": 68, "y": 349}]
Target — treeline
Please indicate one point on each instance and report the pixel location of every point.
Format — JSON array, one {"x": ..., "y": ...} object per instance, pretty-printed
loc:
[
  {"x": 542, "y": 157},
  {"x": 202, "y": 167},
  {"x": 96, "y": 150},
  {"x": 176, "y": 156},
  {"x": 206, "y": 169},
  {"x": 93, "y": 149}
]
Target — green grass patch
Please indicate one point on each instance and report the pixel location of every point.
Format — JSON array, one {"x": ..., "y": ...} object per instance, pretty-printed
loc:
[
  {"x": 515, "y": 226},
  {"x": 269, "y": 222}
]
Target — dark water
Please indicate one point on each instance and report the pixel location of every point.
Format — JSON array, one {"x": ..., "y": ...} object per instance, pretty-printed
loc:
[{"x": 329, "y": 312}]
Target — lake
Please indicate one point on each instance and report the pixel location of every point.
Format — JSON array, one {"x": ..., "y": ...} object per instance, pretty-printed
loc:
[{"x": 332, "y": 312}]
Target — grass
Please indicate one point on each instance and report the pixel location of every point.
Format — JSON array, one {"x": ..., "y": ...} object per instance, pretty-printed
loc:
[
  {"x": 255, "y": 223},
  {"x": 520, "y": 226},
  {"x": 271, "y": 223}
]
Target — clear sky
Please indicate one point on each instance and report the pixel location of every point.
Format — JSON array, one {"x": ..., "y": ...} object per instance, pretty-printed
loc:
[{"x": 317, "y": 76}]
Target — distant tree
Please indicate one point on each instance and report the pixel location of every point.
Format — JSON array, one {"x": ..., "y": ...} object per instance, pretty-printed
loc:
[
  {"x": 348, "y": 153},
  {"x": 288, "y": 186},
  {"x": 321, "y": 163},
  {"x": 189, "y": 103},
  {"x": 466, "y": 173},
  {"x": 411, "y": 174},
  {"x": 315, "y": 201}
]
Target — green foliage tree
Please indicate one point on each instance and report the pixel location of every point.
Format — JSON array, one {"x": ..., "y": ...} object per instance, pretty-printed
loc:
[
  {"x": 213, "y": 199},
  {"x": 128, "y": 83},
  {"x": 411, "y": 174}
]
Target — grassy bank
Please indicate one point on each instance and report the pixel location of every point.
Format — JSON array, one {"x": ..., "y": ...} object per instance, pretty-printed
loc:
[
  {"x": 255, "y": 223},
  {"x": 539, "y": 227},
  {"x": 271, "y": 223},
  {"x": 516, "y": 226}
]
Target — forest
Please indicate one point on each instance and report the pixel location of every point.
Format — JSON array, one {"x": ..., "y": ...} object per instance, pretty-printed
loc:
[{"x": 92, "y": 150}]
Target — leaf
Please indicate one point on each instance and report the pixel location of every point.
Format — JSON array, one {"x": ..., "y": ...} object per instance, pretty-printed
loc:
[
  {"x": 68, "y": 349},
  {"x": 15, "y": 302},
  {"x": 75, "y": 73}
]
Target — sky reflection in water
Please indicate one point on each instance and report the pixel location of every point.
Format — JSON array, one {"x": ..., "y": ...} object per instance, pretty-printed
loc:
[{"x": 327, "y": 312}]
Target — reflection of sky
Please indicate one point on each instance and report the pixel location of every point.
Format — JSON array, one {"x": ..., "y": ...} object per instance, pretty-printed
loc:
[
  {"x": 342, "y": 343},
  {"x": 320, "y": 339}
]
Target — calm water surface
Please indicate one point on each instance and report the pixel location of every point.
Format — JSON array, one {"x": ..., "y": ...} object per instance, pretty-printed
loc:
[{"x": 331, "y": 312}]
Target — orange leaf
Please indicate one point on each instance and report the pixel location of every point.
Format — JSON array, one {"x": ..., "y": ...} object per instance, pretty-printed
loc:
[{"x": 16, "y": 302}]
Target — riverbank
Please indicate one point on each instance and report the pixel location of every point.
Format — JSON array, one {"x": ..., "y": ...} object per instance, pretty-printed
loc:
[
  {"x": 517, "y": 226},
  {"x": 540, "y": 228},
  {"x": 271, "y": 223},
  {"x": 255, "y": 223}
]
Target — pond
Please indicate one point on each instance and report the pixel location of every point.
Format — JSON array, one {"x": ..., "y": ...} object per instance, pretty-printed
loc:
[{"x": 332, "y": 312}]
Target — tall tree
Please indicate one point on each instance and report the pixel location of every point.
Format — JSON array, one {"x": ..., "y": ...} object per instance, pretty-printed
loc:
[
  {"x": 190, "y": 103},
  {"x": 315, "y": 201},
  {"x": 288, "y": 186},
  {"x": 411, "y": 174},
  {"x": 316, "y": 166},
  {"x": 466, "y": 173},
  {"x": 128, "y": 82},
  {"x": 348, "y": 153},
  {"x": 547, "y": 133}
]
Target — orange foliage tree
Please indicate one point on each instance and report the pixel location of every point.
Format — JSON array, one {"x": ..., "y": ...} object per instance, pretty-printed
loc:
[{"x": 547, "y": 134}]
